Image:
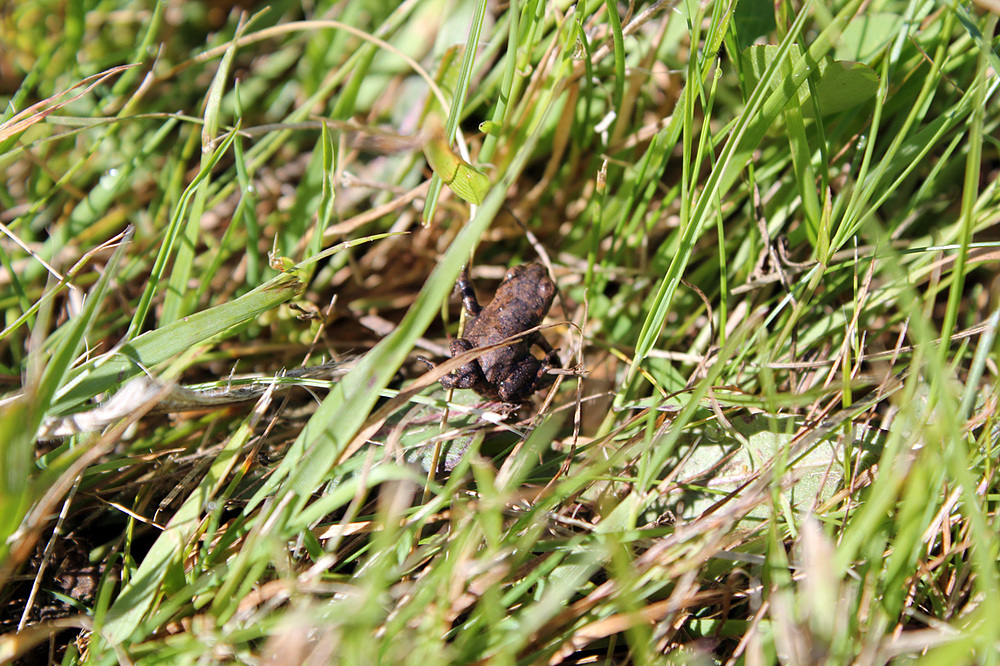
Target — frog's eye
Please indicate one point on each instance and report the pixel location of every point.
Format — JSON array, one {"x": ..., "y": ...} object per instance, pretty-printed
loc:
[{"x": 511, "y": 272}]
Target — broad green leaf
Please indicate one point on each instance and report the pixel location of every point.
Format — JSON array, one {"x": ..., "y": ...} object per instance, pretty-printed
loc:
[
  {"x": 839, "y": 84},
  {"x": 753, "y": 19},
  {"x": 868, "y": 34},
  {"x": 843, "y": 85}
]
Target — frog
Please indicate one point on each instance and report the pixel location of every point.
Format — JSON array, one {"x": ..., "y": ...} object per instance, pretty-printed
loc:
[{"x": 510, "y": 374}]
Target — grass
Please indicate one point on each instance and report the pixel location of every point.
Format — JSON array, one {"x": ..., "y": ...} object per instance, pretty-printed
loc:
[{"x": 775, "y": 437}]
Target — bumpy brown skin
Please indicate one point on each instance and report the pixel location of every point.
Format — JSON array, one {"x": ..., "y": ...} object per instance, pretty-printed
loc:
[{"x": 511, "y": 374}]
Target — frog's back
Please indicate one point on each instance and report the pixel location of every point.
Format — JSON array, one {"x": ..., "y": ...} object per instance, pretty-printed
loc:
[{"x": 508, "y": 320}]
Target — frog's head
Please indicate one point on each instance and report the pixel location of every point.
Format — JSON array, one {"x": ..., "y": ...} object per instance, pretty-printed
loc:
[{"x": 531, "y": 285}]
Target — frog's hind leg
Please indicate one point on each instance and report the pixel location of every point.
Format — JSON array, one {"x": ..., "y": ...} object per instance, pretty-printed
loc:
[
  {"x": 468, "y": 376},
  {"x": 544, "y": 379},
  {"x": 551, "y": 360},
  {"x": 524, "y": 379},
  {"x": 550, "y": 353}
]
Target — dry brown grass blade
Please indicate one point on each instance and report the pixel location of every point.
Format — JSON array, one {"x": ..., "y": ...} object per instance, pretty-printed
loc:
[{"x": 40, "y": 110}]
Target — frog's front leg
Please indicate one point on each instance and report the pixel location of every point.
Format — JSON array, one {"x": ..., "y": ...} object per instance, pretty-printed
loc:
[
  {"x": 468, "y": 292},
  {"x": 468, "y": 376}
]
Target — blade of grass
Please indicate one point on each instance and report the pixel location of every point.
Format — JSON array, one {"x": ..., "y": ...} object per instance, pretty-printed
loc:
[
  {"x": 177, "y": 300},
  {"x": 170, "y": 238},
  {"x": 970, "y": 194},
  {"x": 154, "y": 347}
]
